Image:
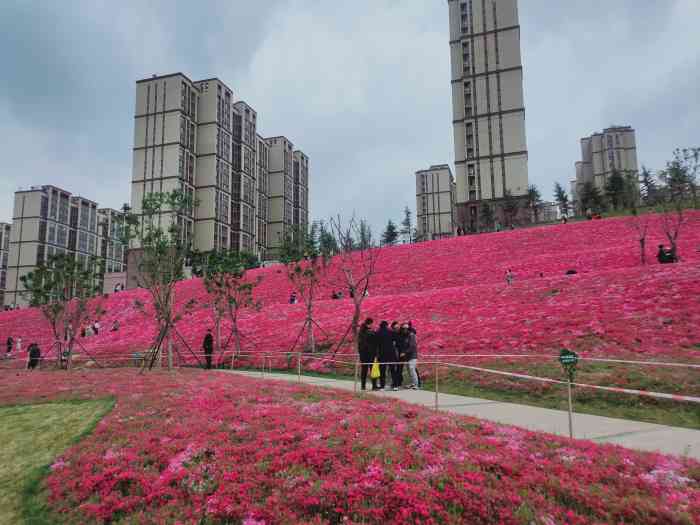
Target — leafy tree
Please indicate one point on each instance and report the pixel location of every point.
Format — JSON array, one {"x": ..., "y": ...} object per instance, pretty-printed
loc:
[
  {"x": 534, "y": 201},
  {"x": 159, "y": 231},
  {"x": 199, "y": 260},
  {"x": 327, "y": 243},
  {"x": 390, "y": 235},
  {"x": 407, "y": 225},
  {"x": 66, "y": 292},
  {"x": 562, "y": 199},
  {"x": 364, "y": 235},
  {"x": 649, "y": 187},
  {"x": 231, "y": 291},
  {"x": 590, "y": 197},
  {"x": 615, "y": 189},
  {"x": 357, "y": 267},
  {"x": 679, "y": 179},
  {"x": 486, "y": 216},
  {"x": 640, "y": 223},
  {"x": 510, "y": 207}
]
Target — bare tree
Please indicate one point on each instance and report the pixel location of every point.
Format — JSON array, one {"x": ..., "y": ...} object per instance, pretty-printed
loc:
[
  {"x": 307, "y": 268},
  {"x": 356, "y": 268},
  {"x": 640, "y": 224}
]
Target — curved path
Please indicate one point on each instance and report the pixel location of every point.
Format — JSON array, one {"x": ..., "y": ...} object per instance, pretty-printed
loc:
[{"x": 627, "y": 433}]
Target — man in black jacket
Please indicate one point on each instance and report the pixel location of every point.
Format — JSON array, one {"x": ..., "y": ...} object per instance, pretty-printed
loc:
[
  {"x": 208, "y": 346},
  {"x": 367, "y": 351},
  {"x": 386, "y": 352}
]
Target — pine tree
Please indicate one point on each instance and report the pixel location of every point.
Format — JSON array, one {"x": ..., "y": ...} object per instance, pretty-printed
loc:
[
  {"x": 590, "y": 197},
  {"x": 391, "y": 234},
  {"x": 615, "y": 189},
  {"x": 534, "y": 201}
]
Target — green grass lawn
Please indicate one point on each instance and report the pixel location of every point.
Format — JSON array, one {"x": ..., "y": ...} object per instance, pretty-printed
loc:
[{"x": 31, "y": 437}]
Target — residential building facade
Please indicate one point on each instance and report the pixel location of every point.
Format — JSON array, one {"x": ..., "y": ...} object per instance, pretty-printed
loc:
[
  {"x": 281, "y": 197},
  {"x": 614, "y": 149},
  {"x": 300, "y": 215},
  {"x": 48, "y": 221},
  {"x": 435, "y": 194},
  {"x": 4, "y": 257},
  {"x": 488, "y": 104},
  {"x": 195, "y": 136}
]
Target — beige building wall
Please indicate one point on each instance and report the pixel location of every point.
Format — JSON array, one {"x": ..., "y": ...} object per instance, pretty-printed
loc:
[
  {"x": 435, "y": 202},
  {"x": 281, "y": 157},
  {"x": 300, "y": 192},
  {"x": 48, "y": 221},
  {"x": 601, "y": 154},
  {"x": 262, "y": 162},
  {"x": 487, "y": 98},
  {"x": 5, "y": 230}
]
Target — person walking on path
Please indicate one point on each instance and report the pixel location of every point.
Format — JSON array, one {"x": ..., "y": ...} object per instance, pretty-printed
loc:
[
  {"x": 18, "y": 345},
  {"x": 208, "y": 346},
  {"x": 34, "y": 356},
  {"x": 10, "y": 344},
  {"x": 366, "y": 349},
  {"x": 386, "y": 353},
  {"x": 411, "y": 355}
]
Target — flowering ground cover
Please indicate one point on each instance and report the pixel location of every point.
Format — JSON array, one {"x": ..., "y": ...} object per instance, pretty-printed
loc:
[
  {"x": 454, "y": 292},
  {"x": 191, "y": 447}
]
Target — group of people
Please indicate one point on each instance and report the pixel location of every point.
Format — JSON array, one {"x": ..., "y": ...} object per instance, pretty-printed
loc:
[
  {"x": 33, "y": 352},
  {"x": 391, "y": 348}
]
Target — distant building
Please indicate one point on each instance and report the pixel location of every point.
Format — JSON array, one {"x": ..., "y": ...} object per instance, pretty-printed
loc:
[
  {"x": 48, "y": 221},
  {"x": 195, "y": 136},
  {"x": 435, "y": 194},
  {"x": 488, "y": 106},
  {"x": 549, "y": 212},
  {"x": 601, "y": 154},
  {"x": 4, "y": 257}
]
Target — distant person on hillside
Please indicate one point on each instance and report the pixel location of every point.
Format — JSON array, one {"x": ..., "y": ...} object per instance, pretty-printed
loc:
[
  {"x": 509, "y": 277},
  {"x": 10, "y": 343},
  {"x": 589, "y": 214},
  {"x": 366, "y": 349},
  {"x": 411, "y": 356},
  {"x": 334, "y": 295},
  {"x": 665, "y": 256},
  {"x": 293, "y": 298},
  {"x": 386, "y": 353},
  {"x": 89, "y": 331},
  {"x": 365, "y": 293},
  {"x": 412, "y": 330},
  {"x": 18, "y": 345},
  {"x": 208, "y": 346},
  {"x": 351, "y": 292},
  {"x": 115, "y": 326},
  {"x": 571, "y": 272},
  {"x": 96, "y": 327},
  {"x": 33, "y": 357}
]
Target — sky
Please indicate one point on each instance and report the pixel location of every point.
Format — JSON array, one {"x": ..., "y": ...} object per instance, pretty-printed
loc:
[{"x": 362, "y": 87}]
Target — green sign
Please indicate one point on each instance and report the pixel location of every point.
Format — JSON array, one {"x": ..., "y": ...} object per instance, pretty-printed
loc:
[{"x": 568, "y": 359}]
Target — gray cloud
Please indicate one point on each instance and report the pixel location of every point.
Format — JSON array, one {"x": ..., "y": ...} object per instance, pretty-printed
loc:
[{"x": 362, "y": 87}]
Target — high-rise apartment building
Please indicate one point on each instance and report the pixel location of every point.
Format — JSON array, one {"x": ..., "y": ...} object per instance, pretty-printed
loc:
[
  {"x": 195, "y": 136},
  {"x": 48, "y": 221},
  {"x": 111, "y": 247},
  {"x": 435, "y": 193},
  {"x": 4, "y": 257},
  {"x": 488, "y": 104},
  {"x": 300, "y": 217},
  {"x": 615, "y": 149},
  {"x": 281, "y": 197}
]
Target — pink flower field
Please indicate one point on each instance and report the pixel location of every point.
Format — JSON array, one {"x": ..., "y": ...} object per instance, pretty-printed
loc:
[{"x": 191, "y": 447}]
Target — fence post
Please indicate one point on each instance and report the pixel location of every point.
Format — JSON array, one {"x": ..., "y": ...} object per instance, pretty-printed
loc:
[
  {"x": 571, "y": 409},
  {"x": 437, "y": 386},
  {"x": 299, "y": 366},
  {"x": 233, "y": 357},
  {"x": 262, "y": 367},
  {"x": 357, "y": 369}
]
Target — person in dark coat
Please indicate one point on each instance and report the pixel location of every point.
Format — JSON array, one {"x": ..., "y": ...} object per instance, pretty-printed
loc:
[
  {"x": 386, "y": 352},
  {"x": 208, "y": 346},
  {"x": 367, "y": 350},
  {"x": 34, "y": 356},
  {"x": 10, "y": 344},
  {"x": 397, "y": 372}
]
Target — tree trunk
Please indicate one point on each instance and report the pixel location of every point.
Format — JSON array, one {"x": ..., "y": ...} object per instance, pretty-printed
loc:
[
  {"x": 310, "y": 341},
  {"x": 218, "y": 334}
]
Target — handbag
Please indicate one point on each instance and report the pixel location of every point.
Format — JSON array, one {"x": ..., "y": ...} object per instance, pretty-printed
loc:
[{"x": 374, "y": 373}]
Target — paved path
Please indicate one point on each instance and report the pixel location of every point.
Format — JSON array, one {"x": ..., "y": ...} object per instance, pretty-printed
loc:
[{"x": 631, "y": 434}]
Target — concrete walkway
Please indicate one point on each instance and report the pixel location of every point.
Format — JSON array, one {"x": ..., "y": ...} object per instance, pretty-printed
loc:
[{"x": 631, "y": 434}]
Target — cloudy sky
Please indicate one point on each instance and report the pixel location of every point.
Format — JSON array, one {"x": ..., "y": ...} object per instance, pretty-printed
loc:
[{"x": 361, "y": 86}]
